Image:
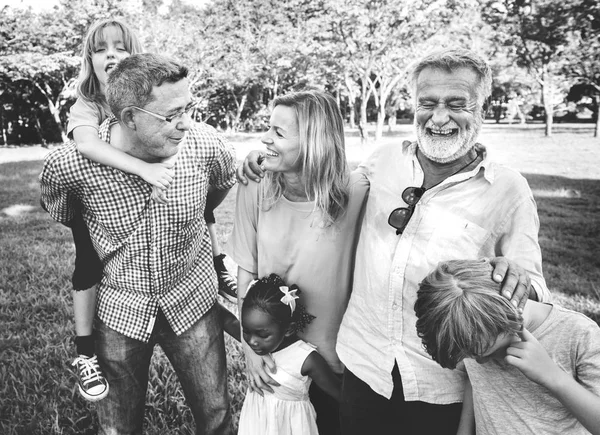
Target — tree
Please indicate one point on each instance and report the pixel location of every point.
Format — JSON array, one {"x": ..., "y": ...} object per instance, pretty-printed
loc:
[
  {"x": 381, "y": 37},
  {"x": 51, "y": 75},
  {"x": 583, "y": 53},
  {"x": 535, "y": 32}
]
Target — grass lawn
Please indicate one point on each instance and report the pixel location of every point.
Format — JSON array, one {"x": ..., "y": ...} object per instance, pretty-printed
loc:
[{"x": 37, "y": 390}]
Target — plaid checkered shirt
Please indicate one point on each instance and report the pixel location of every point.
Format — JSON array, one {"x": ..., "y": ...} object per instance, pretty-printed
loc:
[{"x": 155, "y": 256}]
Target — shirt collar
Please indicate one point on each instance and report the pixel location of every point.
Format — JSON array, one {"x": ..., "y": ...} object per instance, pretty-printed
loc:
[{"x": 489, "y": 173}]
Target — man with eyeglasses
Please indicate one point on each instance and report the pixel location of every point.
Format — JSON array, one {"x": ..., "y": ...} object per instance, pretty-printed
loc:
[
  {"x": 159, "y": 283},
  {"x": 437, "y": 199}
]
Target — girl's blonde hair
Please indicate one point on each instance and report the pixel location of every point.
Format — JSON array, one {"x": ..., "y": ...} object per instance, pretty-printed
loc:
[
  {"x": 88, "y": 87},
  {"x": 461, "y": 313},
  {"x": 324, "y": 169}
]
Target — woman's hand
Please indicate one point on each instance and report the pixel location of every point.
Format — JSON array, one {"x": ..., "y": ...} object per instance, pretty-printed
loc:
[
  {"x": 516, "y": 284},
  {"x": 258, "y": 368},
  {"x": 251, "y": 167}
]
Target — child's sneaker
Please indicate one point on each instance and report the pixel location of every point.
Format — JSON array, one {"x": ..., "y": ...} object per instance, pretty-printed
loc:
[
  {"x": 227, "y": 283},
  {"x": 92, "y": 384}
]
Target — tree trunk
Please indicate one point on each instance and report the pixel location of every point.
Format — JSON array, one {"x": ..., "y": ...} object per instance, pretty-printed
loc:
[
  {"x": 597, "y": 127},
  {"x": 54, "y": 111},
  {"x": 38, "y": 128},
  {"x": 380, "y": 121},
  {"x": 364, "y": 100},
  {"x": 238, "y": 113},
  {"x": 391, "y": 122},
  {"x": 362, "y": 122},
  {"x": 352, "y": 108},
  {"x": 275, "y": 86},
  {"x": 547, "y": 103}
]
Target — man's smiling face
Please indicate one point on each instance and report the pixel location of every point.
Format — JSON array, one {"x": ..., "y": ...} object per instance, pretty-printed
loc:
[{"x": 448, "y": 115}]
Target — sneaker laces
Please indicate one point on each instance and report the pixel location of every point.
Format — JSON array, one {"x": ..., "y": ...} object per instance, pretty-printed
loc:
[{"x": 88, "y": 367}]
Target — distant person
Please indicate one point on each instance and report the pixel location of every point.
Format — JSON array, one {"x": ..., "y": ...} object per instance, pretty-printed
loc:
[
  {"x": 532, "y": 373},
  {"x": 271, "y": 317},
  {"x": 159, "y": 284},
  {"x": 513, "y": 109},
  {"x": 497, "y": 110},
  {"x": 107, "y": 42},
  {"x": 301, "y": 222}
]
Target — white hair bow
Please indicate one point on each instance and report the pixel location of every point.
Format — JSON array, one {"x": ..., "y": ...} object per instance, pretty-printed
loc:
[{"x": 289, "y": 297}]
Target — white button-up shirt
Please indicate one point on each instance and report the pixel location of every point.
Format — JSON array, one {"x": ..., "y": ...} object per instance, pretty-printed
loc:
[{"x": 486, "y": 212}]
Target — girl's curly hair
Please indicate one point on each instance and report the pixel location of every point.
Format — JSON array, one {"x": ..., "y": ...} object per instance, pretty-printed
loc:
[{"x": 265, "y": 295}]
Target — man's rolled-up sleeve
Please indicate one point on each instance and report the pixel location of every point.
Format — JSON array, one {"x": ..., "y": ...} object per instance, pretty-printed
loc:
[
  {"x": 519, "y": 243},
  {"x": 56, "y": 198}
]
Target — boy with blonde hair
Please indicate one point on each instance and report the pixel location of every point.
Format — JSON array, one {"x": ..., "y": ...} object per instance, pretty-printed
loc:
[{"x": 535, "y": 371}]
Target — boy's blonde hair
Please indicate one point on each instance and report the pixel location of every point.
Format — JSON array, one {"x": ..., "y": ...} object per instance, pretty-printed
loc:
[
  {"x": 461, "y": 313},
  {"x": 322, "y": 151},
  {"x": 88, "y": 86}
]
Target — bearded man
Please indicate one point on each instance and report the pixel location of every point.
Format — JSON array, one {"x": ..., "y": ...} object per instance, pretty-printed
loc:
[{"x": 436, "y": 199}]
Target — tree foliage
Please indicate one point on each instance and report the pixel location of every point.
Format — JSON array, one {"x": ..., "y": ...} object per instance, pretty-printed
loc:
[{"x": 241, "y": 55}]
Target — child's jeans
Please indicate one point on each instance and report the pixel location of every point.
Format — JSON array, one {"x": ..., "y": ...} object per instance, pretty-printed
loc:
[{"x": 363, "y": 411}]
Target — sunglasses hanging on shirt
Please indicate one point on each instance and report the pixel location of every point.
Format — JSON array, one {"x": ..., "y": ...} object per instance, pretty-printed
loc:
[{"x": 400, "y": 216}]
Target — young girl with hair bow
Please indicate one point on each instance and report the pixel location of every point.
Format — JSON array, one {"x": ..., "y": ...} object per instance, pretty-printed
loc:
[{"x": 271, "y": 317}]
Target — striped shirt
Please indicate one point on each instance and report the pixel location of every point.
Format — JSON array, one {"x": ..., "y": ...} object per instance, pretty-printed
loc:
[{"x": 155, "y": 256}]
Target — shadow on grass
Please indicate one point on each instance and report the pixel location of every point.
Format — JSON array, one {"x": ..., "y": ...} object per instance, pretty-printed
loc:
[{"x": 569, "y": 212}]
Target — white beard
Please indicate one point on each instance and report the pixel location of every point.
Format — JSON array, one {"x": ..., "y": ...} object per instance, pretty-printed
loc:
[{"x": 445, "y": 150}]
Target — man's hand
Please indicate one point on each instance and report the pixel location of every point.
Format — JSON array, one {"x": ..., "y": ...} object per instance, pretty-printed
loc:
[
  {"x": 256, "y": 370},
  {"x": 529, "y": 356},
  {"x": 516, "y": 284},
  {"x": 251, "y": 167}
]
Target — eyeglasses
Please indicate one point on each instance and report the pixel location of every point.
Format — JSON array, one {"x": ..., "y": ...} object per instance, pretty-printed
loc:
[
  {"x": 187, "y": 111},
  {"x": 399, "y": 217}
]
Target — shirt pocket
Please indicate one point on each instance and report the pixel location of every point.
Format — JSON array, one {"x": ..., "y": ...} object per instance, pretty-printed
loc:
[{"x": 453, "y": 238}]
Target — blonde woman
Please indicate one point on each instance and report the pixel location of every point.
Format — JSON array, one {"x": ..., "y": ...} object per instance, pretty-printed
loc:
[{"x": 302, "y": 223}]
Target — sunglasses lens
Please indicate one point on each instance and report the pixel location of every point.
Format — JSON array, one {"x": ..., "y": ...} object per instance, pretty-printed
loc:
[
  {"x": 411, "y": 195},
  {"x": 399, "y": 218}
]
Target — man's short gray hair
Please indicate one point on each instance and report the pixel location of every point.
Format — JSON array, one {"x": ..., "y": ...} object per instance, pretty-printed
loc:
[
  {"x": 450, "y": 59},
  {"x": 131, "y": 82}
]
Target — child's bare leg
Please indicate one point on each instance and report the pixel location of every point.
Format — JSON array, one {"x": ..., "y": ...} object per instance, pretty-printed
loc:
[
  {"x": 214, "y": 240},
  {"x": 88, "y": 272},
  {"x": 84, "y": 307},
  {"x": 227, "y": 283}
]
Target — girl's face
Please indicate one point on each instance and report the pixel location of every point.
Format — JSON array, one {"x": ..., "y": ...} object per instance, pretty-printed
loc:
[
  {"x": 262, "y": 333},
  {"x": 282, "y": 141},
  {"x": 108, "y": 53}
]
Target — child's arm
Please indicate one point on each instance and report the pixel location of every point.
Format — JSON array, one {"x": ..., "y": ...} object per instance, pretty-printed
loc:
[
  {"x": 92, "y": 147},
  {"x": 319, "y": 371},
  {"x": 466, "y": 426},
  {"x": 258, "y": 367},
  {"x": 533, "y": 361},
  {"x": 231, "y": 324}
]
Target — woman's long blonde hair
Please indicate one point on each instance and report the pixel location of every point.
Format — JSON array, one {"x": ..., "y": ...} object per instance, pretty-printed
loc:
[
  {"x": 88, "y": 87},
  {"x": 324, "y": 169}
]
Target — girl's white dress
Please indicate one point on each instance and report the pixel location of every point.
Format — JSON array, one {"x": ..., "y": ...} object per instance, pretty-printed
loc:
[{"x": 286, "y": 411}]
